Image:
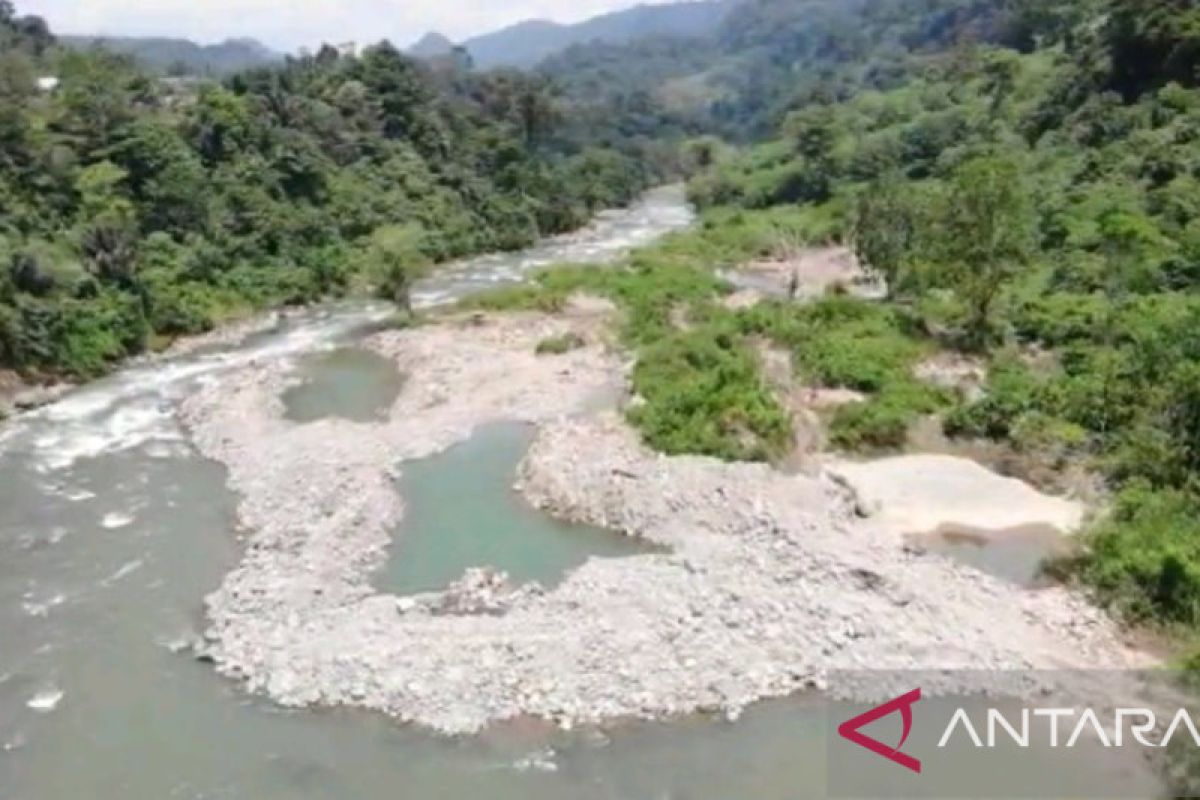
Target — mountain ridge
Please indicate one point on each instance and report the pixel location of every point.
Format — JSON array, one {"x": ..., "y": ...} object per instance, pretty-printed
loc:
[
  {"x": 171, "y": 54},
  {"x": 527, "y": 43}
]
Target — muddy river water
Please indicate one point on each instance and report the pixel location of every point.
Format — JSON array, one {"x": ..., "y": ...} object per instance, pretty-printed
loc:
[{"x": 112, "y": 531}]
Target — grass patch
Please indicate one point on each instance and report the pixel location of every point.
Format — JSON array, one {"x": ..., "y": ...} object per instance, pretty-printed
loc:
[
  {"x": 846, "y": 342},
  {"x": 558, "y": 345},
  {"x": 533, "y": 297}
]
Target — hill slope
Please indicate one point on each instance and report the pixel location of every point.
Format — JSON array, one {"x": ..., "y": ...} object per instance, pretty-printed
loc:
[
  {"x": 432, "y": 45},
  {"x": 527, "y": 43},
  {"x": 181, "y": 55}
]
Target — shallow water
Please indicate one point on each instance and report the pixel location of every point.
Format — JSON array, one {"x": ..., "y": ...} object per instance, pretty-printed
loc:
[
  {"x": 1018, "y": 555},
  {"x": 461, "y": 511},
  {"x": 349, "y": 383}
]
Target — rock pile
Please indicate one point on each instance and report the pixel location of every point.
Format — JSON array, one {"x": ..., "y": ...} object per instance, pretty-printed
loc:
[{"x": 771, "y": 583}]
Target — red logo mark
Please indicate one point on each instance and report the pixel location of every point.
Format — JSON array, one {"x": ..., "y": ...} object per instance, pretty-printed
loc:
[{"x": 850, "y": 729}]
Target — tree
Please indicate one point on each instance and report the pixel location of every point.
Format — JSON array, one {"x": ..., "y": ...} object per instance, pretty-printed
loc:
[
  {"x": 814, "y": 134},
  {"x": 95, "y": 100},
  {"x": 28, "y": 275},
  {"x": 111, "y": 251},
  {"x": 1152, "y": 42},
  {"x": 885, "y": 229},
  {"x": 987, "y": 238},
  {"x": 221, "y": 125},
  {"x": 397, "y": 259},
  {"x": 16, "y": 87},
  {"x": 108, "y": 241},
  {"x": 1183, "y": 415},
  {"x": 165, "y": 175},
  {"x": 1000, "y": 73}
]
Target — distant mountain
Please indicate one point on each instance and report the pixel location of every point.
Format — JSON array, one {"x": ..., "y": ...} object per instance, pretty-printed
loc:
[
  {"x": 181, "y": 55},
  {"x": 528, "y": 43},
  {"x": 432, "y": 45}
]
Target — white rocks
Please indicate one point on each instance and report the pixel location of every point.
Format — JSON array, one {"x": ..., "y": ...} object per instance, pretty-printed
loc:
[
  {"x": 46, "y": 700},
  {"x": 406, "y": 605},
  {"x": 116, "y": 519},
  {"x": 770, "y": 586},
  {"x": 481, "y": 591}
]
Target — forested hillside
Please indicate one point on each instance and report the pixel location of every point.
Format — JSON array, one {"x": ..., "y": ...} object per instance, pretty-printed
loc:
[
  {"x": 769, "y": 56},
  {"x": 1034, "y": 200},
  {"x": 180, "y": 56},
  {"x": 527, "y": 43},
  {"x": 131, "y": 210},
  {"x": 1025, "y": 175}
]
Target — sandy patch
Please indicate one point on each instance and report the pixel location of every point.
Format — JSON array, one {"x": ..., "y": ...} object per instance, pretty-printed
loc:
[
  {"x": 920, "y": 493},
  {"x": 954, "y": 371},
  {"x": 802, "y": 274}
]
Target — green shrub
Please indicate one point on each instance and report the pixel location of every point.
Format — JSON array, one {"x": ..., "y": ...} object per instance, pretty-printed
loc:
[
  {"x": 1144, "y": 560},
  {"x": 1012, "y": 390},
  {"x": 557, "y": 345},
  {"x": 855, "y": 359},
  {"x": 1058, "y": 319},
  {"x": 883, "y": 422},
  {"x": 703, "y": 394}
]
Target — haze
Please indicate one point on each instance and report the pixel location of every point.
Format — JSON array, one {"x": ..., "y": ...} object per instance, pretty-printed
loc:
[{"x": 289, "y": 24}]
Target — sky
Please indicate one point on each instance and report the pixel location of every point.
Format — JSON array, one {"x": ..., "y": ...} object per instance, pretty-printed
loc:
[{"x": 289, "y": 24}]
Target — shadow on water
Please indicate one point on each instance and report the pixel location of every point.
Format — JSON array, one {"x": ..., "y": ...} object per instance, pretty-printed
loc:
[
  {"x": 350, "y": 383},
  {"x": 461, "y": 511}
]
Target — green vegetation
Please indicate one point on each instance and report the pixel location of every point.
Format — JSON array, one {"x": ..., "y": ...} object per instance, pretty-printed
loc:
[
  {"x": 697, "y": 378},
  {"x": 133, "y": 210},
  {"x": 845, "y": 342},
  {"x": 558, "y": 345},
  {"x": 180, "y": 57},
  {"x": 1025, "y": 175}
]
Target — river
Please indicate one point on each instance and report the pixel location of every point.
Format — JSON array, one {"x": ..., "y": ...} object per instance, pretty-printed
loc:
[{"x": 113, "y": 530}]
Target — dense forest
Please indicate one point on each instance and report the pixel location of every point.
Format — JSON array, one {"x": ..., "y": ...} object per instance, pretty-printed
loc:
[
  {"x": 134, "y": 209},
  {"x": 770, "y": 56},
  {"x": 180, "y": 56}
]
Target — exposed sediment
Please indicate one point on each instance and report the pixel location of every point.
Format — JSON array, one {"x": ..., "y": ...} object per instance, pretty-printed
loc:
[
  {"x": 771, "y": 584},
  {"x": 921, "y": 493}
]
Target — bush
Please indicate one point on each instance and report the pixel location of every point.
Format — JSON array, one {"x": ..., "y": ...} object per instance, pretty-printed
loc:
[
  {"x": 703, "y": 394},
  {"x": 1012, "y": 391},
  {"x": 1144, "y": 561},
  {"x": 883, "y": 422},
  {"x": 857, "y": 360}
]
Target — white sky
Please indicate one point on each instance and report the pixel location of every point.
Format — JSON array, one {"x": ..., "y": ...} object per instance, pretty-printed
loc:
[{"x": 289, "y": 24}]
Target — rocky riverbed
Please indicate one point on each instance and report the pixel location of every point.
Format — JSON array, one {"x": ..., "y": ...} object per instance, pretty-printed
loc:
[{"x": 772, "y": 583}]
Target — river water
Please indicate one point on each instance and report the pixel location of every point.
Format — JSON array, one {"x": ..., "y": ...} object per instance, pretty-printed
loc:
[{"x": 112, "y": 531}]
